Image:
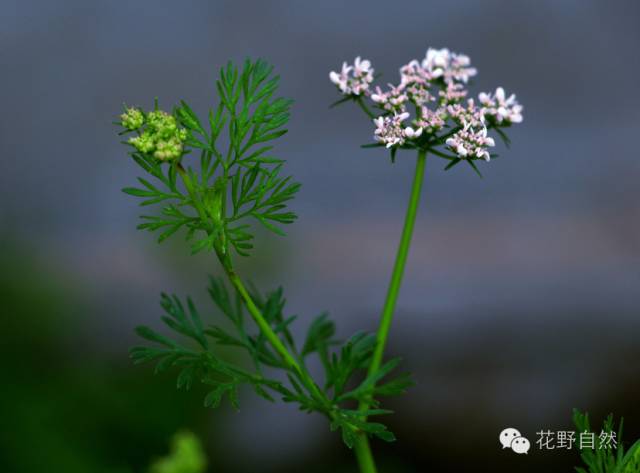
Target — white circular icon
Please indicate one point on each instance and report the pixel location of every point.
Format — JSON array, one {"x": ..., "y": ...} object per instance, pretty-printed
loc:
[{"x": 520, "y": 445}]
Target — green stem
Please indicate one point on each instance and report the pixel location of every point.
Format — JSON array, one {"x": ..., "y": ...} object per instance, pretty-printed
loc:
[
  {"x": 398, "y": 268},
  {"x": 257, "y": 316},
  {"x": 364, "y": 456},
  {"x": 363, "y": 451},
  {"x": 273, "y": 338}
]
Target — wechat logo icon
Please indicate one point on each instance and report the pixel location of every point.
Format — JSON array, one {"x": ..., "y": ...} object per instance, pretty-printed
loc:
[{"x": 511, "y": 438}]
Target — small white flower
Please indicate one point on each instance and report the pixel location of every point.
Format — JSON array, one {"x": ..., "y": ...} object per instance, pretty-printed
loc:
[
  {"x": 361, "y": 67},
  {"x": 355, "y": 79},
  {"x": 411, "y": 133},
  {"x": 341, "y": 79},
  {"x": 502, "y": 108},
  {"x": 436, "y": 61},
  {"x": 460, "y": 68}
]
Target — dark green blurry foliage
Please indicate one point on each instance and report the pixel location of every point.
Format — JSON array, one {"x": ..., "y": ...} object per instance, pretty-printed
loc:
[
  {"x": 65, "y": 407},
  {"x": 603, "y": 460},
  {"x": 186, "y": 456}
]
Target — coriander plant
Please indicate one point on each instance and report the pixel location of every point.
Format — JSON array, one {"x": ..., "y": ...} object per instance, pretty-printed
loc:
[{"x": 214, "y": 180}]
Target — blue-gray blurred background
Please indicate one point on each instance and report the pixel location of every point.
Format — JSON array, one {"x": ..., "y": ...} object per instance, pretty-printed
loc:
[{"x": 521, "y": 296}]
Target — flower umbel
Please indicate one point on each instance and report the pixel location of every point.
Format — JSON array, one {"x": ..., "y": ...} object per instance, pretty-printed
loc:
[
  {"x": 436, "y": 89},
  {"x": 158, "y": 133},
  {"x": 500, "y": 107},
  {"x": 392, "y": 100},
  {"x": 390, "y": 130},
  {"x": 431, "y": 120},
  {"x": 469, "y": 143},
  {"x": 463, "y": 115},
  {"x": 450, "y": 66},
  {"x": 355, "y": 79}
]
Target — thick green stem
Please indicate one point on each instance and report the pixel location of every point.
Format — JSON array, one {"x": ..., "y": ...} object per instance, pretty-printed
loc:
[
  {"x": 364, "y": 456},
  {"x": 363, "y": 451}
]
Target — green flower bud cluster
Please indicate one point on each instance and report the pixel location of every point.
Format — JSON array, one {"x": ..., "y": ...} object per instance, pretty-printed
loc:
[
  {"x": 132, "y": 118},
  {"x": 159, "y": 133}
]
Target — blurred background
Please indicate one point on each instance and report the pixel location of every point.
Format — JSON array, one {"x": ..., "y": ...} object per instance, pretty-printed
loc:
[{"x": 522, "y": 292}]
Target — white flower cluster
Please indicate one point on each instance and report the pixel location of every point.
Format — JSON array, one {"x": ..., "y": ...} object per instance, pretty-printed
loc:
[
  {"x": 437, "y": 89},
  {"x": 468, "y": 142},
  {"x": 431, "y": 120},
  {"x": 450, "y": 66},
  {"x": 470, "y": 114},
  {"x": 355, "y": 79},
  {"x": 393, "y": 100},
  {"x": 503, "y": 109},
  {"x": 391, "y": 132}
]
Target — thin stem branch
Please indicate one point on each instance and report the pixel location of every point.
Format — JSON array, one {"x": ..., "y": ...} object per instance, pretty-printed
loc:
[
  {"x": 398, "y": 268},
  {"x": 273, "y": 338},
  {"x": 441, "y": 139},
  {"x": 442, "y": 155},
  {"x": 304, "y": 376},
  {"x": 364, "y": 107}
]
